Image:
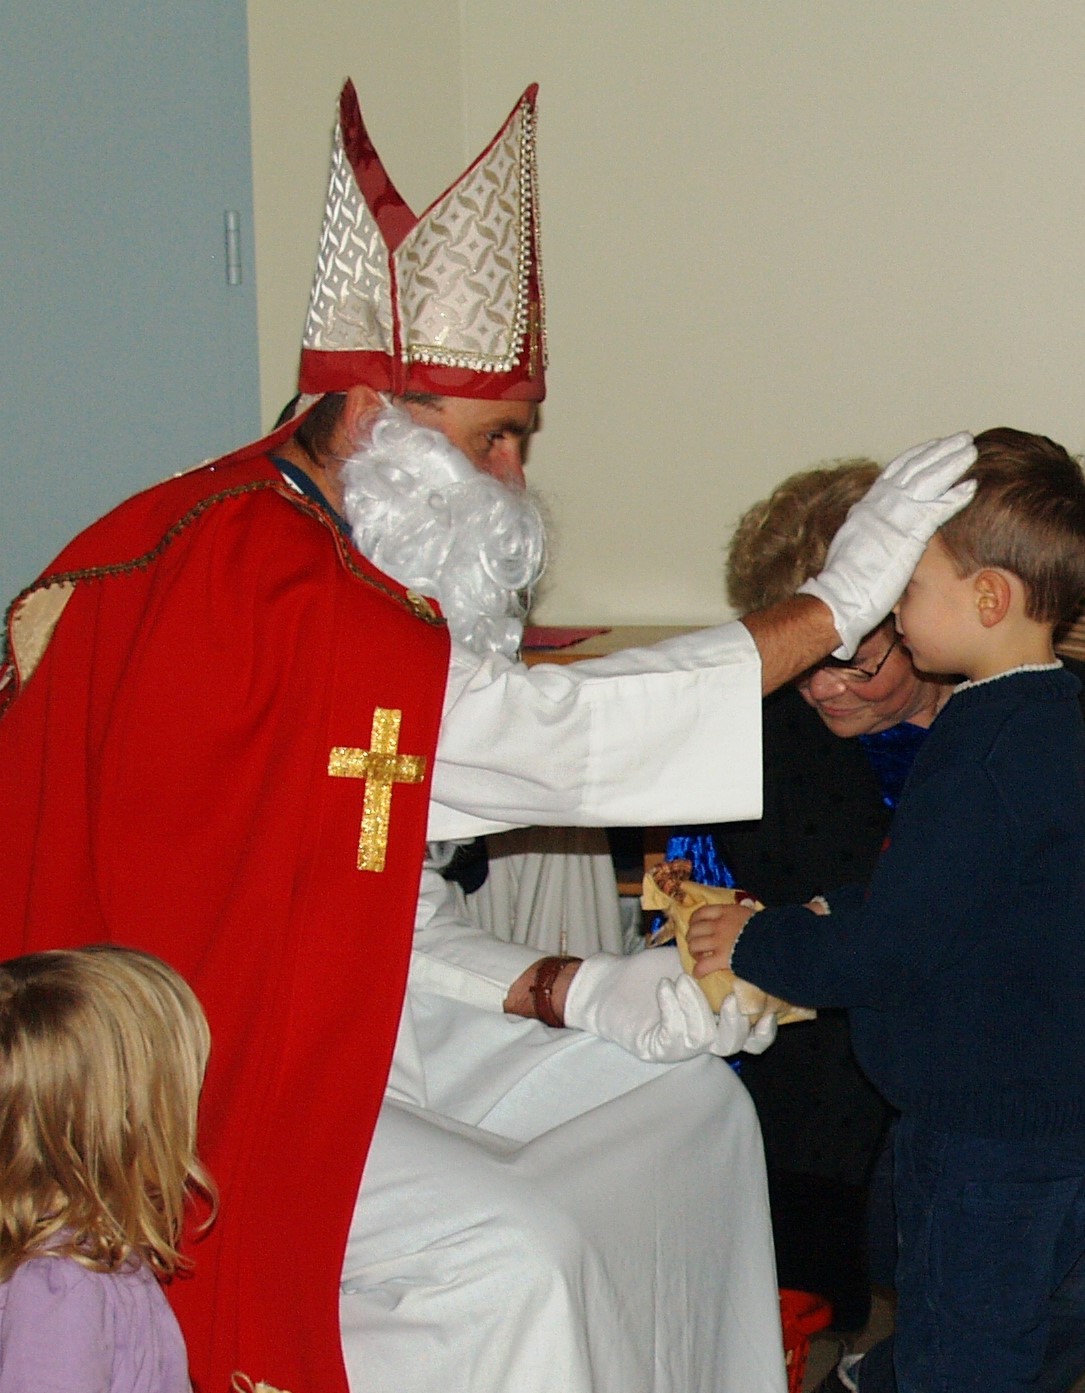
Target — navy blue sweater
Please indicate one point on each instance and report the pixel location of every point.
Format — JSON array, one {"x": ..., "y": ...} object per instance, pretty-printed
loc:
[{"x": 962, "y": 964}]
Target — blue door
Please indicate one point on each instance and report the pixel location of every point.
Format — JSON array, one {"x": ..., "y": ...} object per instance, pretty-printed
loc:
[{"x": 125, "y": 353}]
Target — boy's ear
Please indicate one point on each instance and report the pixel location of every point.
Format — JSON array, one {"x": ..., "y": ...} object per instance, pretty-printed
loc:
[{"x": 993, "y": 596}]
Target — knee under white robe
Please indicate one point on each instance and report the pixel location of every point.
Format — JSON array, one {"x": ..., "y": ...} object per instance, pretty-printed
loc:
[
  {"x": 540, "y": 1210},
  {"x": 602, "y": 1228}
]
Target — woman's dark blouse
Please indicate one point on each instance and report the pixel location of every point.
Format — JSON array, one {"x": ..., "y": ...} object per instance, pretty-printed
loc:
[{"x": 823, "y": 826}]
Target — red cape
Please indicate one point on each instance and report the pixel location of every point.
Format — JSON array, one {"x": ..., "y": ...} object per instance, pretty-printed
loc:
[{"x": 166, "y": 776}]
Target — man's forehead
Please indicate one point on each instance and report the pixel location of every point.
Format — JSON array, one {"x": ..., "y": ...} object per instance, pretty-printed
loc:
[{"x": 513, "y": 416}]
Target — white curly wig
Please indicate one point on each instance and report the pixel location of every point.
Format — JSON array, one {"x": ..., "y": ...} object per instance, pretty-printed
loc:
[{"x": 420, "y": 510}]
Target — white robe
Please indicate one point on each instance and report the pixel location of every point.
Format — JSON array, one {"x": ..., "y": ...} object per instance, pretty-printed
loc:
[{"x": 539, "y": 1209}]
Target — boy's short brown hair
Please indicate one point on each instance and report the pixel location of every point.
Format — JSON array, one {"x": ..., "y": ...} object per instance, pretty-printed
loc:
[{"x": 1028, "y": 517}]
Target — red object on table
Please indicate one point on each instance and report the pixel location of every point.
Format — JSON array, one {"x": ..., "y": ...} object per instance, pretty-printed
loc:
[{"x": 538, "y": 636}]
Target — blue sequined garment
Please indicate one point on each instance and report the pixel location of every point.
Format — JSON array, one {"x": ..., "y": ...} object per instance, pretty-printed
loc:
[
  {"x": 699, "y": 848},
  {"x": 891, "y": 754}
]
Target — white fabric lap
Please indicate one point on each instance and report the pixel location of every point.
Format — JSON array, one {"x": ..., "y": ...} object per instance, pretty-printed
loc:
[
  {"x": 513, "y": 1077},
  {"x": 605, "y": 1230}
]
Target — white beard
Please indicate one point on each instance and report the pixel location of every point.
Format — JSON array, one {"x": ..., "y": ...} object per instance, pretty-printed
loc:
[{"x": 420, "y": 510}]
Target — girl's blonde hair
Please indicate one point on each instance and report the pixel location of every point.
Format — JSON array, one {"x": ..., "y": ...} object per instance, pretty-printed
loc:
[{"x": 102, "y": 1057}]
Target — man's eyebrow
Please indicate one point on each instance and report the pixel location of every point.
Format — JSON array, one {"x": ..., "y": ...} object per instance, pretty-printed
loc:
[{"x": 515, "y": 426}]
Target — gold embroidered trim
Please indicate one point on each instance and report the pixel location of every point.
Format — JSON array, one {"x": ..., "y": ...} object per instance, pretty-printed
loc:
[
  {"x": 416, "y": 604},
  {"x": 423, "y": 608},
  {"x": 140, "y": 563},
  {"x": 381, "y": 766}
]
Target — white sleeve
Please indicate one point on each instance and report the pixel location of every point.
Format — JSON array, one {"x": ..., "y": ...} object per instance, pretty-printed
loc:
[
  {"x": 453, "y": 958},
  {"x": 667, "y": 734}
]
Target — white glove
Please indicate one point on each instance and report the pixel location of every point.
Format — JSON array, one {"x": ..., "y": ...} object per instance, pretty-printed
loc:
[
  {"x": 872, "y": 557},
  {"x": 649, "y": 1006},
  {"x": 733, "y": 1032},
  {"x": 762, "y": 1035}
]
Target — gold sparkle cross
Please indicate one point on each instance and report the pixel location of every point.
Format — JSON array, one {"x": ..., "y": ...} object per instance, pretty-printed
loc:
[{"x": 381, "y": 766}]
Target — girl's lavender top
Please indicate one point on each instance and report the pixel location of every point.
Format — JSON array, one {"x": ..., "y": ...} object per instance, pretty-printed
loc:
[{"x": 64, "y": 1329}]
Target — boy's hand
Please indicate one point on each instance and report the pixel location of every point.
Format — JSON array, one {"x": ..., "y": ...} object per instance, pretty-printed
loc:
[{"x": 713, "y": 931}]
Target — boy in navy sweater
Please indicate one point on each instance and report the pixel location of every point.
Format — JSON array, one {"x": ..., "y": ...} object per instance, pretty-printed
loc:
[{"x": 962, "y": 963}]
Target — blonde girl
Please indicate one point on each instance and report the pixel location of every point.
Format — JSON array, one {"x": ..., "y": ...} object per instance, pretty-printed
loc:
[{"x": 102, "y": 1056}]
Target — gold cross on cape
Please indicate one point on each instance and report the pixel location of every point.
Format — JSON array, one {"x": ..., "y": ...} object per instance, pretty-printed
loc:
[{"x": 380, "y": 766}]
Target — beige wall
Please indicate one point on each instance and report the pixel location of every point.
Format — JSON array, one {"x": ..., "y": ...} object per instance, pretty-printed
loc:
[{"x": 775, "y": 231}]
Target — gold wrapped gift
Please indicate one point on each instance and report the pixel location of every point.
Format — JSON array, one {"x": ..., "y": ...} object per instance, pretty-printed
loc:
[{"x": 667, "y": 889}]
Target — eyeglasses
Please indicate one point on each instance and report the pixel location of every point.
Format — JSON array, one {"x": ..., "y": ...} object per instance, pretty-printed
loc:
[{"x": 850, "y": 672}]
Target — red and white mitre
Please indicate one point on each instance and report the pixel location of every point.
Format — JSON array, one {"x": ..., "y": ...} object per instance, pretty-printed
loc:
[{"x": 450, "y": 302}]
